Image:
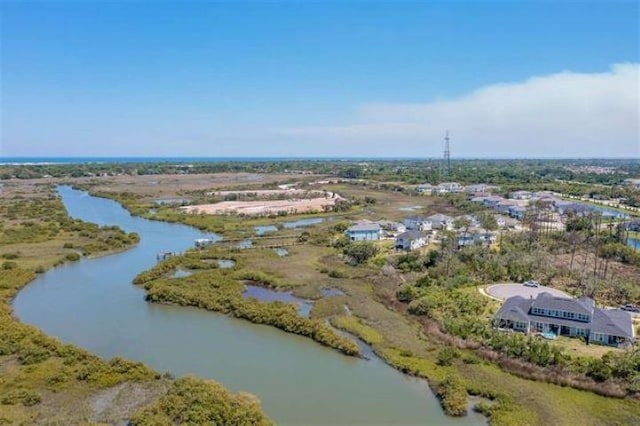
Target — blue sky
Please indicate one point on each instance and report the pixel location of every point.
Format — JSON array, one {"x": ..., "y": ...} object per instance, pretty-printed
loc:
[{"x": 508, "y": 79}]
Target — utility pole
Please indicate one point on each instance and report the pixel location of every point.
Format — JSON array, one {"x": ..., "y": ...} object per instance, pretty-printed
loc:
[{"x": 447, "y": 154}]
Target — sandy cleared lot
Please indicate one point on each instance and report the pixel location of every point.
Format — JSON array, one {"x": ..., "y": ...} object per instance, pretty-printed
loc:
[
  {"x": 262, "y": 207},
  {"x": 504, "y": 291},
  {"x": 267, "y": 192}
]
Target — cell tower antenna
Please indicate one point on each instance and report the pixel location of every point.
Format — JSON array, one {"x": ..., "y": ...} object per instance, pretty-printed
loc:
[{"x": 447, "y": 153}]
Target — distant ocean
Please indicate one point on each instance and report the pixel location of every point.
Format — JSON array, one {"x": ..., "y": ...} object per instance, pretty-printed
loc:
[{"x": 177, "y": 160}]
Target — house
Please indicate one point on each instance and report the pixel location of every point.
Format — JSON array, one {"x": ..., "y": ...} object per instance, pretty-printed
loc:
[
  {"x": 521, "y": 195},
  {"x": 484, "y": 238},
  {"x": 517, "y": 212},
  {"x": 506, "y": 221},
  {"x": 473, "y": 220},
  {"x": 441, "y": 221},
  {"x": 566, "y": 316},
  {"x": 634, "y": 183},
  {"x": 363, "y": 232},
  {"x": 425, "y": 188},
  {"x": 418, "y": 223},
  {"x": 492, "y": 201},
  {"x": 479, "y": 197},
  {"x": 446, "y": 187},
  {"x": 504, "y": 205},
  {"x": 204, "y": 242},
  {"x": 480, "y": 187},
  {"x": 391, "y": 226},
  {"x": 410, "y": 240}
]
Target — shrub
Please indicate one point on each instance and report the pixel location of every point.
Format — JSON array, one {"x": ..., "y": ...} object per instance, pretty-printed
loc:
[
  {"x": 337, "y": 274},
  {"x": 453, "y": 395},
  {"x": 446, "y": 355},
  {"x": 360, "y": 251},
  {"x": 406, "y": 293},
  {"x": 9, "y": 265},
  {"x": 25, "y": 397},
  {"x": 72, "y": 257}
]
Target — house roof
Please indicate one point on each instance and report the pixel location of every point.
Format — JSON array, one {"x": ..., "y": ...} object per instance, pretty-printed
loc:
[
  {"x": 418, "y": 218},
  {"x": 364, "y": 227},
  {"x": 440, "y": 218},
  {"x": 548, "y": 301},
  {"x": 410, "y": 235},
  {"x": 389, "y": 223},
  {"x": 515, "y": 309},
  {"x": 614, "y": 322}
]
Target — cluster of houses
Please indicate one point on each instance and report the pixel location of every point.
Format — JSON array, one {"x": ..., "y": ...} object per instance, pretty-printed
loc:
[
  {"x": 454, "y": 187},
  {"x": 416, "y": 231},
  {"x": 554, "y": 316}
]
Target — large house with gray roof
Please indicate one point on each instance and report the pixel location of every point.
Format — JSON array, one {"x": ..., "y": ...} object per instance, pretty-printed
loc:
[{"x": 566, "y": 316}]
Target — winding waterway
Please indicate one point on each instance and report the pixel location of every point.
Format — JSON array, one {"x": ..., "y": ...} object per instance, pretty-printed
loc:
[{"x": 93, "y": 304}]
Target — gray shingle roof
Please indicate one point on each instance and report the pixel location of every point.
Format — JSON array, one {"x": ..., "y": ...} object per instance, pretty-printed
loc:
[
  {"x": 548, "y": 301},
  {"x": 614, "y": 322},
  {"x": 363, "y": 227},
  {"x": 514, "y": 309},
  {"x": 439, "y": 218},
  {"x": 410, "y": 235}
]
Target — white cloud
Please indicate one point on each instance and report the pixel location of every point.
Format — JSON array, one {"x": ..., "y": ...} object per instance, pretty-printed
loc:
[{"x": 558, "y": 115}]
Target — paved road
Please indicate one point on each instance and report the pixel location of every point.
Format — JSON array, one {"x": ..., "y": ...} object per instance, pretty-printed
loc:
[{"x": 504, "y": 291}]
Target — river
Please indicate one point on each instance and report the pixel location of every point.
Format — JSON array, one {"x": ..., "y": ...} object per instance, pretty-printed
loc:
[{"x": 93, "y": 304}]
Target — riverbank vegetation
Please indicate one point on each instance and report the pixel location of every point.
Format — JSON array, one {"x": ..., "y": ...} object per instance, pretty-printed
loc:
[
  {"x": 222, "y": 290},
  {"x": 42, "y": 380}
]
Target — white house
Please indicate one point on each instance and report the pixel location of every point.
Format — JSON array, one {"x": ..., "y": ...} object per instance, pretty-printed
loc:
[
  {"x": 391, "y": 226},
  {"x": 418, "y": 223},
  {"x": 446, "y": 187},
  {"x": 484, "y": 238},
  {"x": 479, "y": 187},
  {"x": 410, "y": 240},
  {"x": 441, "y": 221}
]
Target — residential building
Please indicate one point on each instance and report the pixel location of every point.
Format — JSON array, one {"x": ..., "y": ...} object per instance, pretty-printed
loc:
[
  {"x": 364, "y": 232},
  {"x": 446, "y": 187},
  {"x": 566, "y": 316},
  {"x": 517, "y": 212},
  {"x": 504, "y": 205},
  {"x": 480, "y": 187},
  {"x": 441, "y": 221},
  {"x": 410, "y": 240},
  {"x": 521, "y": 195},
  {"x": 634, "y": 183},
  {"x": 418, "y": 223},
  {"x": 425, "y": 188},
  {"x": 391, "y": 226},
  {"x": 492, "y": 201},
  {"x": 484, "y": 238}
]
